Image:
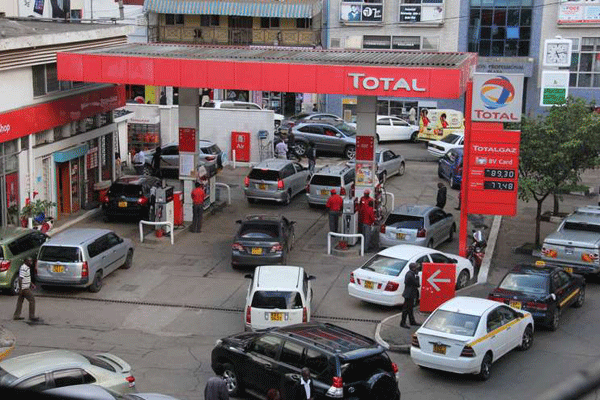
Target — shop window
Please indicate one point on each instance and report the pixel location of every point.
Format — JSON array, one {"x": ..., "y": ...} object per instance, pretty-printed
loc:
[
  {"x": 406, "y": 42},
  {"x": 421, "y": 11},
  {"x": 267, "y": 23},
  {"x": 585, "y": 63},
  {"x": 377, "y": 42},
  {"x": 173, "y": 19},
  {"x": 304, "y": 23},
  {"x": 209, "y": 20},
  {"x": 431, "y": 44},
  {"x": 45, "y": 80}
]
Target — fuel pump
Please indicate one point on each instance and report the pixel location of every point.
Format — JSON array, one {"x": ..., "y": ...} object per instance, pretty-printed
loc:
[
  {"x": 350, "y": 219},
  {"x": 164, "y": 209}
]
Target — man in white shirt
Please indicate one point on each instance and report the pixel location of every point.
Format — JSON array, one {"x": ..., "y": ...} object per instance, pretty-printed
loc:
[
  {"x": 281, "y": 150},
  {"x": 305, "y": 389},
  {"x": 25, "y": 287},
  {"x": 139, "y": 159}
]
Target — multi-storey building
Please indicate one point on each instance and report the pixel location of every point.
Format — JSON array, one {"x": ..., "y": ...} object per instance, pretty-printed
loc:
[{"x": 57, "y": 139}]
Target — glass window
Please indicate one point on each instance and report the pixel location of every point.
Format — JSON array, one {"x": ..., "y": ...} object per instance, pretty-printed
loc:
[
  {"x": 439, "y": 258},
  {"x": 267, "y": 22},
  {"x": 36, "y": 383},
  {"x": 276, "y": 299},
  {"x": 507, "y": 314},
  {"x": 59, "y": 254},
  {"x": 404, "y": 221},
  {"x": 494, "y": 320},
  {"x": 209, "y": 20},
  {"x": 315, "y": 361},
  {"x": 565, "y": 279},
  {"x": 304, "y": 23},
  {"x": 39, "y": 80},
  {"x": 267, "y": 346},
  {"x": 67, "y": 377},
  {"x": 529, "y": 283},
  {"x": 384, "y": 122},
  {"x": 325, "y": 180},
  {"x": 291, "y": 354},
  {"x": 264, "y": 174},
  {"x": 385, "y": 265},
  {"x": 453, "y": 323},
  {"x": 585, "y": 63}
]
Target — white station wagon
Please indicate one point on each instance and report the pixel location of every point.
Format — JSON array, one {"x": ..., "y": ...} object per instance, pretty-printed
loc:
[{"x": 467, "y": 334}]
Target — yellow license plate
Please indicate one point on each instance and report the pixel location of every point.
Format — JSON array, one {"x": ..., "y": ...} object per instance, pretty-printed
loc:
[
  {"x": 400, "y": 236},
  {"x": 324, "y": 192},
  {"x": 257, "y": 250},
  {"x": 276, "y": 316},
  {"x": 439, "y": 348},
  {"x": 569, "y": 270},
  {"x": 368, "y": 285},
  {"x": 122, "y": 204},
  {"x": 515, "y": 304},
  {"x": 58, "y": 268},
  {"x": 262, "y": 186}
]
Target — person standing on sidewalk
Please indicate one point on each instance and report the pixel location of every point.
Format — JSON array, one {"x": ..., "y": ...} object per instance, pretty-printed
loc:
[
  {"x": 410, "y": 294},
  {"x": 156, "y": 162},
  {"x": 139, "y": 159},
  {"x": 197, "y": 207},
  {"x": 441, "y": 195},
  {"x": 291, "y": 144},
  {"x": 304, "y": 388},
  {"x": 311, "y": 155},
  {"x": 334, "y": 205},
  {"x": 281, "y": 150},
  {"x": 25, "y": 290}
]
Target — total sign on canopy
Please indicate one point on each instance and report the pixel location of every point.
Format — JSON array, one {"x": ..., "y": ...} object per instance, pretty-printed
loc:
[{"x": 497, "y": 98}]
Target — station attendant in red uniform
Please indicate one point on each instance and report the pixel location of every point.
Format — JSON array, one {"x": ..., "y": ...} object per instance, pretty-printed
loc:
[
  {"x": 364, "y": 201},
  {"x": 367, "y": 221},
  {"x": 334, "y": 205},
  {"x": 197, "y": 207}
]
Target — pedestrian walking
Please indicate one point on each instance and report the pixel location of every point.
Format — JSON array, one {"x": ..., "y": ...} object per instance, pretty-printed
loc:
[
  {"x": 25, "y": 290},
  {"x": 156, "y": 162},
  {"x": 281, "y": 150},
  {"x": 304, "y": 388},
  {"x": 197, "y": 207},
  {"x": 311, "y": 155},
  {"x": 460, "y": 200},
  {"x": 410, "y": 294},
  {"x": 367, "y": 221},
  {"x": 412, "y": 116},
  {"x": 334, "y": 205},
  {"x": 441, "y": 196},
  {"x": 216, "y": 389},
  {"x": 118, "y": 165},
  {"x": 291, "y": 145},
  {"x": 139, "y": 159}
]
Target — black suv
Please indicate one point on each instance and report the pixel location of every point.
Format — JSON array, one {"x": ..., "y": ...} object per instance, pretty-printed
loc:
[
  {"x": 131, "y": 196},
  {"x": 343, "y": 364}
]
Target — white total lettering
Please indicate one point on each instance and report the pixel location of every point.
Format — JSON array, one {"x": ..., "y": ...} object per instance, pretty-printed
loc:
[
  {"x": 370, "y": 83},
  {"x": 402, "y": 84},
  {"x": 386, "y": 82},
  {"x": 355, "y": 77},
  {"x": 415, "y": 87}
]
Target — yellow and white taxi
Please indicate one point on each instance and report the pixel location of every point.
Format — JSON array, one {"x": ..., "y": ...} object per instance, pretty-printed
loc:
[{"x": 466, "y": 335}]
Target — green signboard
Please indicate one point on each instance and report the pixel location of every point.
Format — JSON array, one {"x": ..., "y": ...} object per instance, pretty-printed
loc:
[{"x": 552, "y": 96}]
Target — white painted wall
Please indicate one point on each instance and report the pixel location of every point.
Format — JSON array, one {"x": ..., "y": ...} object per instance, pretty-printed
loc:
[{"x": 17, "y": 82}]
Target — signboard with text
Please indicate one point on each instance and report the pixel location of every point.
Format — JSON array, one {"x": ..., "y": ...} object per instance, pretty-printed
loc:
[
  {"x": 497, "y": 97},
  {"x": 554, "y": 88},
  {"x": 438, "y": 283},
  {"x": 494, "y": 170},
  {"x": 361, "y": 12},
  {"x": 579, "y": 12}
]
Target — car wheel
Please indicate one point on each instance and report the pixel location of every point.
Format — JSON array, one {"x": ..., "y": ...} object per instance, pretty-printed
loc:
[
  {"x": 128, "y": 260},
  {"x": 486, "y": 367},
  {"x": 452, "y": 231},
  {"x": 234, "y": 387},
  {"x": 383, "y": 388},
  {"x": 413, "y": 137},
  {"x": 555, "y": 321},
  {"x": 402, "y": 169},
  {"x": 527, "y": 339},
  {"x": 350, "y": 152},
  {"x": 147, "y": 170},
  {"x": 440, "y": 175},
  {"x": 14, "y": 285},
  {"x": 97, "y": 283},
  {"x": 250, "y": 200},
  {"x": 287, "y": 198},
  {"x": 453, "y": 184},
  {"x": 580, "y": 298},
  {"x": 430, "y": 244},
  {"x": 463, "y": 279},
  {"x": 300, "y": 148}
]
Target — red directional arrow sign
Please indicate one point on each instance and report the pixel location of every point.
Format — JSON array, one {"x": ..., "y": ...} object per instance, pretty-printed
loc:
[{"x": 437, "y": 285}]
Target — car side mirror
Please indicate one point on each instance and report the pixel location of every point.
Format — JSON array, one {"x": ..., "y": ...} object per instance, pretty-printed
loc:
[
  {"x": 338, "y": 134},
  {"x": 311, "y": 277},
  {"x": 249, "y": 276},
  {"x": 552, "y": 296}
]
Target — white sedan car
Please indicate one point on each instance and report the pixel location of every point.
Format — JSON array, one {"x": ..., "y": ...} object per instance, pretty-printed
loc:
[
  {"x": 381, "y": 279},
  {"x": 394, "y": 128},
  {"x": 466, "y": 335},
  {"x": 439, "y": 148}
]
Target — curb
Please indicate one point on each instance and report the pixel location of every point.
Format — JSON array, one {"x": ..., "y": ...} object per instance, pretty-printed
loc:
[{"x": 86, "y": 215}]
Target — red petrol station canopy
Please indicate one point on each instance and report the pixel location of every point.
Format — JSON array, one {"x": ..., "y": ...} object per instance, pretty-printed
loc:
[{"x": 348, "y": 72}]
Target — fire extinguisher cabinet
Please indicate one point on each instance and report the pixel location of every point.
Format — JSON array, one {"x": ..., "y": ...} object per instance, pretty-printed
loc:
[
  {"x": 178, "y": 208},
  {"x": 240, "y": 143}
]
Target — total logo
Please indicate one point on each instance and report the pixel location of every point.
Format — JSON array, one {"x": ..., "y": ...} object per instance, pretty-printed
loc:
[
  {"x": 497, "y": 92},
  {"x": 4, "y": 128}
]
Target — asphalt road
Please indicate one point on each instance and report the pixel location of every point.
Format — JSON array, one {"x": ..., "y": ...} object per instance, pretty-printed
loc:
[{"x": 164, "y": 315}]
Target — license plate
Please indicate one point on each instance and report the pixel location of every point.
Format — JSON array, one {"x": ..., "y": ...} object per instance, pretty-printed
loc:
[
  {"x": 400, "y": 236},
  {"x": 257, "y": 250},
  {"x": 122, "y": 204},
  {"x": 324, "y": 192},
  {"x": 58, "y": 268},
  {"x": 439, "y": 348},
  {"x": 368, "y": 285},
  {"x": 569, "y": 270},
  {"x": 515, "y": 304},
  {"x": 276, "y": 316},
  {"x": 569, "y": 250},
  {"x": 262, "y": 186}
]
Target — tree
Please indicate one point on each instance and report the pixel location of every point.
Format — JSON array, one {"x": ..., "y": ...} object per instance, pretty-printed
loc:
[{"x": 555, "y": 149}]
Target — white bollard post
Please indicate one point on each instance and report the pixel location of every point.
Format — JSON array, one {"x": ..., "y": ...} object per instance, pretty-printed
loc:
[{"x": 233, "y": 156}]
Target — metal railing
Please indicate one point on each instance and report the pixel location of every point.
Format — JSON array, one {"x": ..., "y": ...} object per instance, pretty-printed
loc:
[
  {"x": 226, "y": 186},
  {"x": 346, "y": 235},
  {"x": 169, "y": 224}
]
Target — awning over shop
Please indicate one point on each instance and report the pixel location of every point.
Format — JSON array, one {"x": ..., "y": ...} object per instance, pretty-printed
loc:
[
  {"x": 70, "y": 153},
  {"x": 244, "y": 8}
]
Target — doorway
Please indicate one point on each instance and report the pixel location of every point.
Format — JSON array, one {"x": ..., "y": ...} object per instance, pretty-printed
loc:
[
  {"x": 240, "y": 30},
  {"x": 64, "y": 192}
]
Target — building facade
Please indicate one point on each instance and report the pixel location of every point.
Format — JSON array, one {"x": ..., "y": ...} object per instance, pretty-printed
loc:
[{"x": 57, "y": 139}]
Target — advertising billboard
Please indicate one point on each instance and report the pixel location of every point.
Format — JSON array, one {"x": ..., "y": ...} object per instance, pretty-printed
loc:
[
  {"x": 361, "y": 12},
  {"x": 497, "y": 98},
  {"x": 579, "y": 12}
]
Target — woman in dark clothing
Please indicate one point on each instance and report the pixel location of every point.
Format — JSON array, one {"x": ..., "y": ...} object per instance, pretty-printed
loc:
[{"x": 156, "y": 162}]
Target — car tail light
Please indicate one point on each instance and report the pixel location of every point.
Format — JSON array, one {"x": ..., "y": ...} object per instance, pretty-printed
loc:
[
  {"x": 104, "y": 198},
  {"x": 458, "y": 170},
  {"x": 382, "y": 229},
  {"x": 85, "y": 272},
  {"x": 276, "y": 248},
  {"x": 280, "y": 185},
  {"x": 415, "y": 341},
  {"x": 131, "y": 381},
  {"x": 495, "y": 298},
  {"x": 237, "y": 246},
  {"x": 4, "y": 265},
  {"x": 395, "y": 368},
  {"x": 391, "y": 286},
  {"x": 246, "y": 181},
  {"x": 308, "y": 188},
  {"x": 336, "y": 390},
  {"x": 352, "y": 277},
  {"x": 422, "y": 232},
  {"x": 467, "y": 351},
  {"x": 343, "y": 191},
  {"x": 304, "y": 314},
  {"x": 210, "y": 158},
  {"x": 142, "y": 201},
  {"x": 536, "y": 306},
  {"x": 248, "y": 315}
]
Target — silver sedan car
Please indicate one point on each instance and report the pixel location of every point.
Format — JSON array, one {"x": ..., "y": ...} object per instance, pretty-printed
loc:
[
  {"x": 275, "y": 179},
  {"x": 388, "y": 164},
  {"x": 416, "y": 224}
]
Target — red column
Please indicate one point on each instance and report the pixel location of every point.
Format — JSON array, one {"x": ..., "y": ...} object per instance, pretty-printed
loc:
[{"x": 464, "y": 187}]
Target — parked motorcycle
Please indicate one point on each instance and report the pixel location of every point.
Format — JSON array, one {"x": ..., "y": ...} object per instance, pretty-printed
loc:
[{"x": 476, "y": 249}]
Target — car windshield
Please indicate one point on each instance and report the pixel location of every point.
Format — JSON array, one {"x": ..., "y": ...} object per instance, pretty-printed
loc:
[
  {"x": 5, "y": 378},
  {"x": 259, "y": 231},
  {"x": 453, "y": 323},
  {"x": 59, "y": 254},
  {"x": 535, "y": 284},
  {"x": 212, "y": 149},
  {"x": 404, "y": 221},
  {"x": 119, "y": 189},
  {"x": 581, "y": 226},
  {"x": 451, "y": 138},
  {"x": 264, "y": 174},
  {"x": 346, "y": 129},
  {"x": 275, "y": 299},
  {"x": 325, "y": 180},
  {"x": 385, "y": 265}
]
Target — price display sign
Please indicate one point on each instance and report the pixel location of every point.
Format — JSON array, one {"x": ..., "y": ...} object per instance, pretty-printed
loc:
[{"x": 494, "y": 170}]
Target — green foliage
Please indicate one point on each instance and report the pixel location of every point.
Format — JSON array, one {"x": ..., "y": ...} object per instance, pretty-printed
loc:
[{"x": 35, "y": 208}]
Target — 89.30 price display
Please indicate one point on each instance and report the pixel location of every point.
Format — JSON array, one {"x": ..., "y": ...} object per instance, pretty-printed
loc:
[
  {"x": 499, "y": 185},
  {"x": 499, "y": 173}
]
